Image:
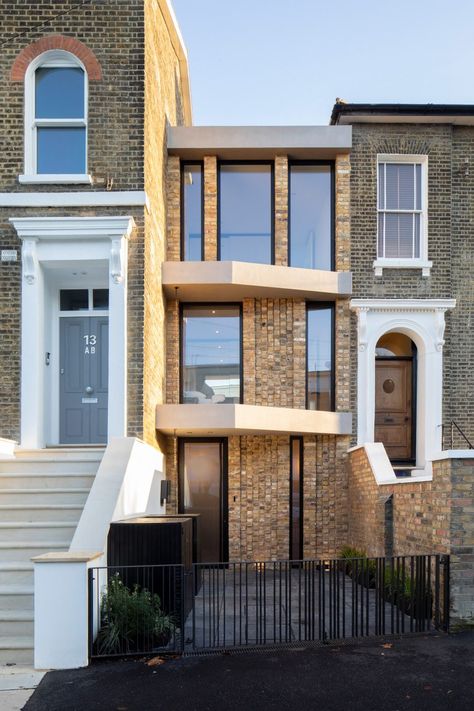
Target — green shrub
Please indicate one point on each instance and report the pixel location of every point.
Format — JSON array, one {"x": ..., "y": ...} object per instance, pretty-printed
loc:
[{"x": 131, "y": 620}]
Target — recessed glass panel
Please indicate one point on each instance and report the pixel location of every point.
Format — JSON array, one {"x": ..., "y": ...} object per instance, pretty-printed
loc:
[
  {"x": 192, "y": 212},
  {"x": 59, "y": 92},
  {"x": 210, "y": 355},
  {"x": 74, "y": 299},
  {"x": 61, "y": 150},
  {"x": 310, "y": 216},
  {"x": 245, "y": 213},
  {"x": 101, "y": 299},
  {"x": 296, "y": 485},
  {"x": 320, "y": 358},
  {"x": 201, "y": 473}
]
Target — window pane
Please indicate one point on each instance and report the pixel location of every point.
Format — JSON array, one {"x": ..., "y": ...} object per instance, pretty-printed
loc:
[
  {"x": 245, "y": 206},
  {"x": 418, "y": 188},
  {"x": 406, "y": 236},
  {"x": 101, "y": 298},
  {"x": 310, "y": 216},
  {"x": 192, "y": 217},
  {"x": 211, "y": 355},
  {"x": 320, "y": 358},
  {"x": 400, "y": 186},
  {"x": 381, "y": 186},
  {"x": 74, "y": 299},
  {"x": 391, "y": 235},
  {"x": 61, "y": 150},
  {"x": 296, "y": 484},
  {"x": 59, "y": 92},
  {"x": 380, "y": 235}
]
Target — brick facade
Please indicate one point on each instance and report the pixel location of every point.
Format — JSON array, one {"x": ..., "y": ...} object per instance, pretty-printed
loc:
[
  {"x": 126, "y": 46},
  {"x": 450, "y": 244},
  {"x": 274, "y": 374}
]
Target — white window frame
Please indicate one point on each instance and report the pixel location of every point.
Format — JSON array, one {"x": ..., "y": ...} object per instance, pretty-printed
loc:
[
  {"x": 422, "y": 261},
  {"x": 51, "y": 58}
]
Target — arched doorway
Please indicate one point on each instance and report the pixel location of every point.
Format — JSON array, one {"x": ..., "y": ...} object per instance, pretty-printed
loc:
[{"x": 395, "y": 396}]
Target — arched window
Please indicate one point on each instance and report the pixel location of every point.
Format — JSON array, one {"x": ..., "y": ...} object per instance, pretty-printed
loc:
[{"x": 56, "y": 118}]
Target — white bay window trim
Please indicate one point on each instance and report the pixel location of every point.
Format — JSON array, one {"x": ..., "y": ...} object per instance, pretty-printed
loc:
[
  {"x": 415, "y": 262},
  {"x": 51, "y": 58}
]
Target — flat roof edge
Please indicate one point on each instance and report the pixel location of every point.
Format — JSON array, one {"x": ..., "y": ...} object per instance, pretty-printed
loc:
[{"x": 259, "y": 138}]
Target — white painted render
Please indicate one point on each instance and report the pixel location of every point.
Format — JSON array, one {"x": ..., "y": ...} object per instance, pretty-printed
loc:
[
  {"x": 423, "y": 320},
  {"x": 127, "y": 484},
  {"x": 65, "y": 243},
  {"x": 97, "y": 198}
]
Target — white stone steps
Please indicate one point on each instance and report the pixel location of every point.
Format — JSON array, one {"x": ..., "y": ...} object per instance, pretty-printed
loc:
[
  {"x": 53, "y": 480},
  {"x": 63, "y": 495},
  {"x": 11, "y": 531},
  {"x": 14, "y": 551},
  {"x": 40, "y": 512},
  {"x": 17, "y": 649},
  {"x": 16, "y": 622},
  {"x": 19, "y": 572},
  {"x": 16, "y": 597}
]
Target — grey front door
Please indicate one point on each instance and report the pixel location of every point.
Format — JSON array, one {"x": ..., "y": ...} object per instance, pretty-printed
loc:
[{"x": 83, "y": 390}]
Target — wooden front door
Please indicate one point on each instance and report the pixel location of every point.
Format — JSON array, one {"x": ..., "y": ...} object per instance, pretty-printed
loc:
[{"x": 394, "y": 406}]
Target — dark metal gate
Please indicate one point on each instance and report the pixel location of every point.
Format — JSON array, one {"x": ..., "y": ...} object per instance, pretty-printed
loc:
[{"x": 254, "y": 604}]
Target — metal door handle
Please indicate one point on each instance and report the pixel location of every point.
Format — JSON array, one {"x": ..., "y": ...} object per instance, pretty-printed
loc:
[{"x": 89, "y": 390}]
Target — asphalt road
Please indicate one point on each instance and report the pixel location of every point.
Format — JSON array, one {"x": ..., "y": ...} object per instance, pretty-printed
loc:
[{"x": 415, "y": 673}]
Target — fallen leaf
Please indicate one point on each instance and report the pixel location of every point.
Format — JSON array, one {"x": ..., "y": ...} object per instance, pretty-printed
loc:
[
  {"x": 387, "y": 645},
  {"x": 427, "y": 687},
  {"x": 155, "y": 662}
]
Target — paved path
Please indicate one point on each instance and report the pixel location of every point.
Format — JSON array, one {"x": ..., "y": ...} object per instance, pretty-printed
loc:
[
  {"x": 413, "y": 674},
  {"x": 16, "y": 686},
  {"x": 244, "y": 606}
]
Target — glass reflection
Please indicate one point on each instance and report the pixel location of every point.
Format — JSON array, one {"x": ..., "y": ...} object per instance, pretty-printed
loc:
[
  {"x": 245, "y": 212},
  {"x": 61, "y": 150},
  {"x": 201, "y": 493},
  {"x": 192, "y": 212},
  {"x": 320, "y": 358},
  {"x": 59, "y": 92},
  {"x": 211, "y": 355},
  {"x": 311, "y": 216}
]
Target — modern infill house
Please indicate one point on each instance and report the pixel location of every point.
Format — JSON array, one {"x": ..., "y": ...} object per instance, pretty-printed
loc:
[{"x": 276, "y": 321}]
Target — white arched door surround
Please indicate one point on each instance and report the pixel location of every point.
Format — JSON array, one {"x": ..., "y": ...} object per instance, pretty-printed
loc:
[
  {"x": 71, "y": 241},
  {"x": 423, "y": 320}
]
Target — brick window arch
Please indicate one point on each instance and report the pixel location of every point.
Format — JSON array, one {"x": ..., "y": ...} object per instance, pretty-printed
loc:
[{"x": 56, "y": 42}]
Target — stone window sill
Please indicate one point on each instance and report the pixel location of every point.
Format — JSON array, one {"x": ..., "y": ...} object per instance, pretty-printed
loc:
[
  {"x": 423, "y": 264},
  {"x": 63, "y": 179}
]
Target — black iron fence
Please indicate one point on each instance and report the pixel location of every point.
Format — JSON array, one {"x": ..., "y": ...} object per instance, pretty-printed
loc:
[{"x": 159, "y": 609}]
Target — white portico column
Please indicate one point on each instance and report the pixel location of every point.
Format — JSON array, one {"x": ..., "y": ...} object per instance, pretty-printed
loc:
[{"x": 117, "y": 415}]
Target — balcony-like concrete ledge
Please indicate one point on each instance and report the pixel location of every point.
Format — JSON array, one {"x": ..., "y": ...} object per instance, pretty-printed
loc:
[
  {"x": 259, "y": 141},
  {"x": 225, "y": 281},
  {"x": 215, "y": 420}
]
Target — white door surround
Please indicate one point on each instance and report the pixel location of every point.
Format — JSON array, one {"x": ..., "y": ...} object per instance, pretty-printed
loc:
[
  {"x": 49, "y": 242},
  {"x": 423, "y": 321}
]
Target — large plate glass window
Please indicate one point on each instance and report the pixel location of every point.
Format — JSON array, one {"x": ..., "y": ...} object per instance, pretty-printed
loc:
[
  {"x": 246, "y": 212},
  {"x": 192, "y": 212},
  {"x": 311, "y": 215},
  {"x": 210, "y": 354},
  {"x": 401, "y": 207},
  {"x": 320, "y": 357}
]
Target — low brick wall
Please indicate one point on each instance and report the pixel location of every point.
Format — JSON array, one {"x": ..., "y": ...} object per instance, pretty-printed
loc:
[{"x": 426, "y": 517}]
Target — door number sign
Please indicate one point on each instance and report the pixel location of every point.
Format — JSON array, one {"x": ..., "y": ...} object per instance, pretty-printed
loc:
[{"x": 90, "y": 342}]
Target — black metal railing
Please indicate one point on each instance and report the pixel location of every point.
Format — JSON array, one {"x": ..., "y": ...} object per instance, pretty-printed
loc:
[
  {"x": 453, "y": 436},
  {"x": 253, "y": 604}
]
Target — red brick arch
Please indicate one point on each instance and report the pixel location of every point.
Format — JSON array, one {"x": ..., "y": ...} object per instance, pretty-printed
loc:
[{"x": 68, "y": 44}]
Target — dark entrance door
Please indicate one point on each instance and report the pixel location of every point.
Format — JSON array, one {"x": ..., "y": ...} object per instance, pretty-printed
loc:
[
  {"x": 83, "y": 389},
  {"x": 203, "y": 490},
  {"x": 394, "y": 407}
]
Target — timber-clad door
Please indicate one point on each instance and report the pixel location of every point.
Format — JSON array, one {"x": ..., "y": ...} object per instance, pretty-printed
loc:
[
  {"x": 83, "y": 378},
  {"x": 394, "y": 407}
]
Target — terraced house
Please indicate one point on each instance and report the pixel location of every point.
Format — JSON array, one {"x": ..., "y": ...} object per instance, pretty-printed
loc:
[{"x": 191, "y": 325}]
